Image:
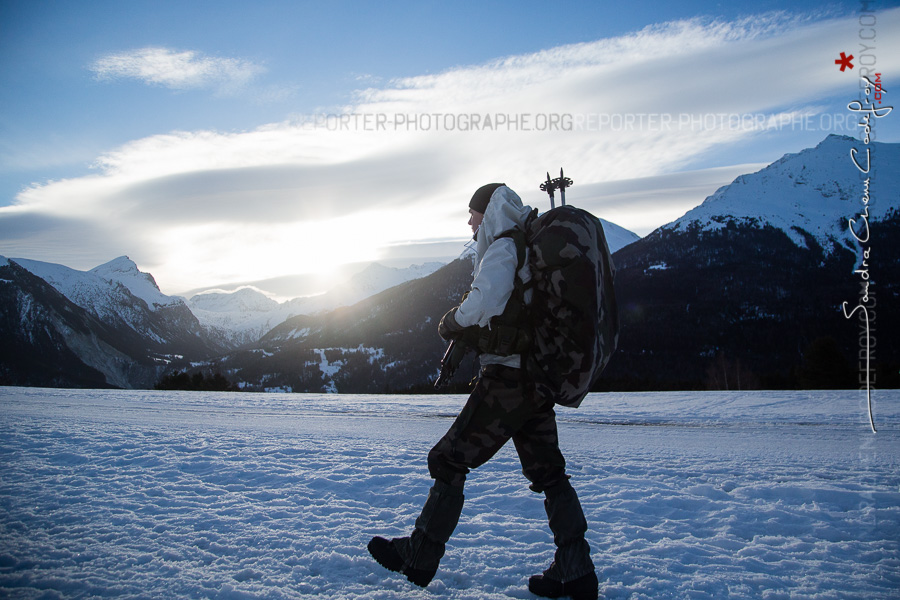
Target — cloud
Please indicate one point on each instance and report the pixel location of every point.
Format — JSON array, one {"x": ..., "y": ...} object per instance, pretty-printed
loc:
[
  {"x": 177, "y": 70},
  {"x": 56, "y": 238},
  {"x": 624, "y": 116}
]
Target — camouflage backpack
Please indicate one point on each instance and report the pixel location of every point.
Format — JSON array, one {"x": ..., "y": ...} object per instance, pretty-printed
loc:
[{"x": 575, "y": 324}]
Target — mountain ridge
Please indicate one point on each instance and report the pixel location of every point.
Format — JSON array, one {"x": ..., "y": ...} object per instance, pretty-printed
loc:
[{"x": 816, "y": 196}]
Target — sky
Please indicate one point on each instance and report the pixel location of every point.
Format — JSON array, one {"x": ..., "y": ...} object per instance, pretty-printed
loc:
[{"x": 223, "y": 142}]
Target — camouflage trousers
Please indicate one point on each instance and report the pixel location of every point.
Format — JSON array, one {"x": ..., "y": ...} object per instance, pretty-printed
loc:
[{"x": 502, "y": 406}]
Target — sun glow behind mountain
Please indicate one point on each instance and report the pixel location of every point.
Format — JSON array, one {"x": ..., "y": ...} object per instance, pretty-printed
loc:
[{"x": 231, "y": 251}]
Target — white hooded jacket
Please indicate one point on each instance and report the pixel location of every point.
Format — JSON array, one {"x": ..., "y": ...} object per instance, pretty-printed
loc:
[{"x": 495, "y": 267}]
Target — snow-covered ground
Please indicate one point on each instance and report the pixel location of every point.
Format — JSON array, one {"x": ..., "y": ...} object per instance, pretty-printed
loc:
[{"x": 141, "y": 494}]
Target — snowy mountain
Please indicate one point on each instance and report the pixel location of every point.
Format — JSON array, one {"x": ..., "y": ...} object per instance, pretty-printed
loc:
[
  {"x": 245, "y": 315},
  {"x": 114, "y": 292},
  {"x": 747, "y": 289},
  {"x": 112, "y": 326},
  {"x": 45, "y": 339},
  {"x": 122, "y": 296},
  {"x": 124, "y": 271},
  {"x": 240, "y": 316},
  {"x": 810, "y": 193},
  {"x": 113, "y": 319},
  {"x": 617, "y": 237}
]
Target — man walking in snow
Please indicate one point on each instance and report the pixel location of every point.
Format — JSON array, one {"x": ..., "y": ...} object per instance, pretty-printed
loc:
[{"x": 503, "y": 406}]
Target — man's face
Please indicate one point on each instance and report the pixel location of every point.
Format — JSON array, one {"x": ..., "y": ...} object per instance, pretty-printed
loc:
[{"x": 475, "y": 219}]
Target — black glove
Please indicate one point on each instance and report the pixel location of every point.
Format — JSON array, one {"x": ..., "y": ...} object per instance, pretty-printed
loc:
[{"x": 448, "y": 328}]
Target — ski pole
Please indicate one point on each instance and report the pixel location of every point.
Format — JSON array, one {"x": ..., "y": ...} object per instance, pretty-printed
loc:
[
  {"x": 562, "y": 183},
  {"x": 548, "y": 186}
]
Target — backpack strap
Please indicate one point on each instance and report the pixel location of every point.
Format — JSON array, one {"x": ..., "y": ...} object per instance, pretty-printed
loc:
[
  {"x": 509, "y": 332},
  {"x": 517, "y": 236}
]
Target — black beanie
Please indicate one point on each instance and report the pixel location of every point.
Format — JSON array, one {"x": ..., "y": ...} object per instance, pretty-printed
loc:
[{"x": 482, "y": 196}]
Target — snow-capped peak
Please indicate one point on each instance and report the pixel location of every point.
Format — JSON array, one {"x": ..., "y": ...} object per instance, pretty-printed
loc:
[
  {"x": 816, "y": 190},
  {"x": 617, "y": 237},
  {"x": 90, "y": 289},
  {"x": 246, "y": 314},
  {"x": 119, "y": 268},
  {"x": 247, "y": 298},
  {"x": 142, "y": 285}
]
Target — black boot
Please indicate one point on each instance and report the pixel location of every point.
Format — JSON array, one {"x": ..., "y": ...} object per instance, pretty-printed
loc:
[
  {"x": 572, "y": 571},
  {"x": 387, "y": 556},
  {"x": 583, "y": 588},
  {"x": 418, "y": 555}
]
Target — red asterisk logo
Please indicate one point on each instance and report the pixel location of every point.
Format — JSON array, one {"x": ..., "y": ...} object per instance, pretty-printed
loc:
[{"x": 844, "y": 61}]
